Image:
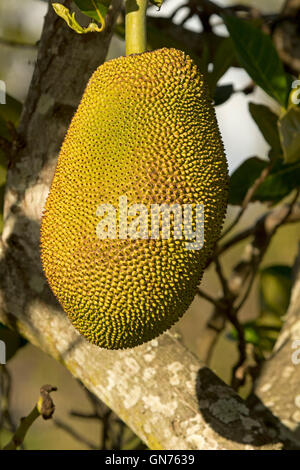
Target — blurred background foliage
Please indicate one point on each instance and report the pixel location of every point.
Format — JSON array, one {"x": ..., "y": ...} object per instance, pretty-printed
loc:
[{"x": 249, "y": 74}]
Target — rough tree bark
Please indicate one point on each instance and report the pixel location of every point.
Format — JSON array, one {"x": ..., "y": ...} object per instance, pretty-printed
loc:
[
  {"x": 160, "y": 389},
  {"x": 280, "y": 392}
]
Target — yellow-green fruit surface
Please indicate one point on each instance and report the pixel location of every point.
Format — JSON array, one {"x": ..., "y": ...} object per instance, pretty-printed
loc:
[{"x": 145, "y": 128}]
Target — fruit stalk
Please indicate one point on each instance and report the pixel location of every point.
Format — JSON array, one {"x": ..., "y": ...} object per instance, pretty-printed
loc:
[{"x": 135, "y": 26}]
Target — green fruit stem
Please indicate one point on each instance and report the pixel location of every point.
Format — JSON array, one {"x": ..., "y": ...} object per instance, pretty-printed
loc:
[{"x": 135, "y": 26}]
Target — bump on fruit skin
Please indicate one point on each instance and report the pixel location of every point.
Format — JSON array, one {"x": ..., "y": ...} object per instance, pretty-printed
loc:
[{"x": 145, "y": 128}]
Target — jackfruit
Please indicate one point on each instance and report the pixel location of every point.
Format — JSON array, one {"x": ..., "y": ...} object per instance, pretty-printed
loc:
[{"x": 145, "y": 130}]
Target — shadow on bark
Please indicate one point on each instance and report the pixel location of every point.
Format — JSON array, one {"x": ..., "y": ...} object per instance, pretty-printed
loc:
[{"x": 230, "y": 420}]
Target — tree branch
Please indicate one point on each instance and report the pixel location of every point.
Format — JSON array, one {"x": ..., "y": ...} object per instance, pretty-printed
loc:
[
  {"x": 281, "y": 391},
  {"x": 44, "y": 408}
]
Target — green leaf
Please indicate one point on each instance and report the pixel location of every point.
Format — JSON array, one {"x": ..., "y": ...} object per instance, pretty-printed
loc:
[
  {"x": 11, "y": 110},
  {"x": 275, "y": 284},
  {"x": 4, "y": 132},
  {"x": 3, "y": 172},
  {"x": 289, "y": 129},
  {"x": 203, "y": 60},
  {"x": 95, "y": 9},
  {"x": 243, "y": 178},
  {"x": 222, "y": 94},
  {"x": 250, "y": 333},
  {"x": 257, "y": 54},
  {"x": 267, "y": 121},
  {"x": 268, "y": 319},
  {"x": 222, "y": 60},
  {"x": 267, "y": 343},
  {"x": 282, "y": 180},
  {"x": 69, "y": 18}
]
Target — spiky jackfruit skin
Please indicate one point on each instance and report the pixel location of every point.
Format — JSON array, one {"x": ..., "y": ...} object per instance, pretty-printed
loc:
[{"x": 145, "y": 128}]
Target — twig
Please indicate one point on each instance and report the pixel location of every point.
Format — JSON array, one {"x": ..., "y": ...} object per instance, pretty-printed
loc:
[
  {"x": 100, "y": 409},
  {"x": 118, "y": 439},
  {"x": 60, "y": 424},
  {"x": 103, "y": 413},
  {"x": 13, "y": 43},
  {"x": 272, "y": 232},
  {"x": 44, "y": 407},
  {"x": 236, "y": 382},
  {"x": 174, "y": 13},
  {"x": 288, "y": 212},
  {"x": 207, "y": 297},
  {"x": 239, "y": 237},
  {"x": 249, "y": 268},
  {"x": 105, "y": 429},
  {"x": 246, "y": 295},
  {"x": 262, "y": 231},
  {"x": 78, "y": 414},
  {"x": 216, "y": 325},
  {"x": 222, "y": 278},
  {"x": 293, "y": 217},
  {"x": 247, "y": 199}
]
